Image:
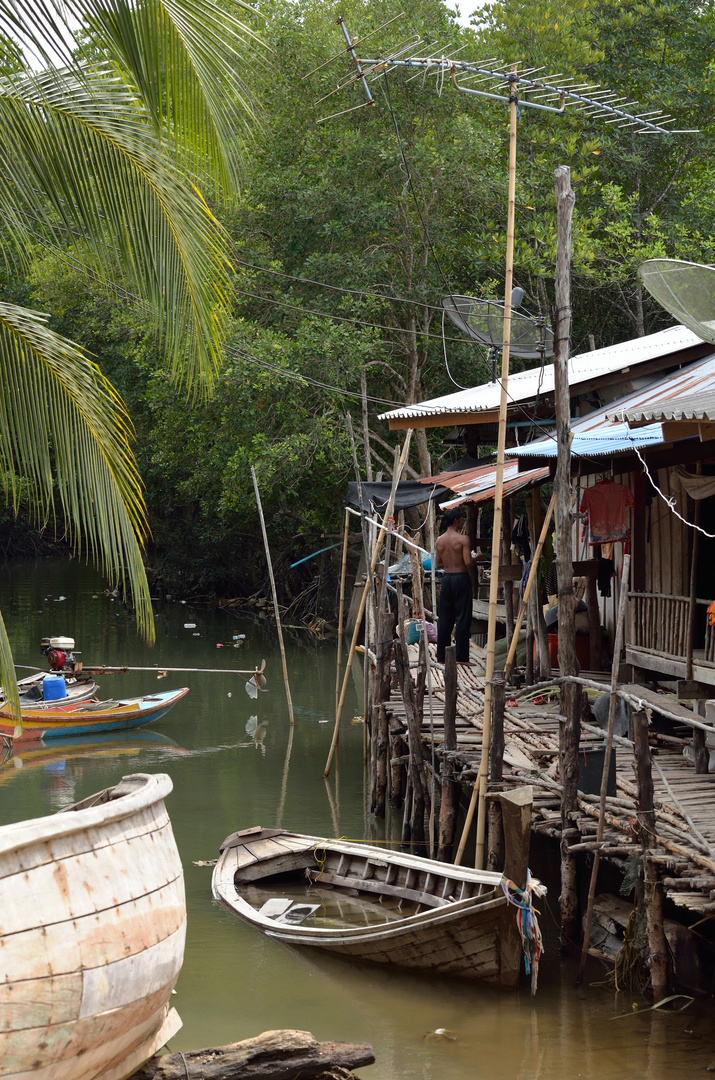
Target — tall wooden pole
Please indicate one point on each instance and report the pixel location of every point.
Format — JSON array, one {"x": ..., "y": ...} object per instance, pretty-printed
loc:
[
  {"x": 570, "y": 729},
  {"x": 613, "y": 701},
  {"x": 480, "y": 787},
  {"x": 363, "y": 601},
  {"x": 339, "y": 658},
  {"x": 275, "y": 597}
]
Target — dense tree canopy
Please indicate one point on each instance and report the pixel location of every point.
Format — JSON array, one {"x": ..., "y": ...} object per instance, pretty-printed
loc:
[{"x": 347, "y": 233}]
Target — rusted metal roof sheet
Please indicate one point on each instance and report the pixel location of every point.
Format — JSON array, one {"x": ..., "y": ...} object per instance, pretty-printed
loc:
[
  {"x": 525, "y": 385},
  {"x": 481, "y": 489}
]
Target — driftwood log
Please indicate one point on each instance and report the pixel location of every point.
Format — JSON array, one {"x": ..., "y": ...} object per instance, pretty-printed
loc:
[{"x": 274, "y": 1055}]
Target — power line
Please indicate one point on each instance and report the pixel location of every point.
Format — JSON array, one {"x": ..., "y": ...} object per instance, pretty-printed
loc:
[
  {"x": 347, "y": 319},
  {"x": 243, "y": 354},
  {"x": 337, "y": 288}
]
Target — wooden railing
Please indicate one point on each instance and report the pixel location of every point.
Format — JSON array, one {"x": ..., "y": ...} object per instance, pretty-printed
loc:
[{"x": 660, "y": 623}]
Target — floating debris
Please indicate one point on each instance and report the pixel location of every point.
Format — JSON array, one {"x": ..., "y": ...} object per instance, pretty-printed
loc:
[{"x": 441, "y": 1035}]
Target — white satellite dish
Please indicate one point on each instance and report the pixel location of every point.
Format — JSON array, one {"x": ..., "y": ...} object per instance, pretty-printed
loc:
[{"x": 686, "y": 290}]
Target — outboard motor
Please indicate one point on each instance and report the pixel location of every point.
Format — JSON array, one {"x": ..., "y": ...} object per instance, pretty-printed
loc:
[{"x": 59, "y": 653}]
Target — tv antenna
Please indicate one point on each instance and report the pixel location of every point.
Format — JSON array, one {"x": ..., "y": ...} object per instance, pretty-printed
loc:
[
  {"x": 518, "y": 87},
  {"x": 686, "y": 290},
  {"x": 483, "y": 321}
]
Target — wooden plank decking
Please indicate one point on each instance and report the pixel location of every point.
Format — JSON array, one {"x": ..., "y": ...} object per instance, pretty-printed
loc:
[{"x": 685, "y": 801}]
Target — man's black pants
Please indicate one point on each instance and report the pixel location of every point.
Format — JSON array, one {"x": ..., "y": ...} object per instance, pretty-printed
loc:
[{"x": 455, "y": 607}]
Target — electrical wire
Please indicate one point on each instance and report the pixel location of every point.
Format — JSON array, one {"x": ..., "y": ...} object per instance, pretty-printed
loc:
[
  {"x": 410, "y": 183},
  {"x": 344, "y": 318},
  {"x": 296, "y": 376},
  {"x": 337, "y": 288}
]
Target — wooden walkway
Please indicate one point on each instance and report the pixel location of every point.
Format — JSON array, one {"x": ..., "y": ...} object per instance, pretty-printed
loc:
[{"x": 685, "y": 801}]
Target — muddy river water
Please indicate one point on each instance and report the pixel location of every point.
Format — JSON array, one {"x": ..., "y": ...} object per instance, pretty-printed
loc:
[{"x": 228, "y": 758}]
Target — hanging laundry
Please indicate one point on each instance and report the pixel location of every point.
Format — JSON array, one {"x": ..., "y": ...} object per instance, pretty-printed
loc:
[
  {"x": 606, "y": 504},
  {"x": 520, "y": 538},
  {"x": 604, "y": 575}
]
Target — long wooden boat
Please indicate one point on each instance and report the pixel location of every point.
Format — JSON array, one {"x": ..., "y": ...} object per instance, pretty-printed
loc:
[
  {"x": 92, "y": 929},
  {"x": 91, "y": 717},
  {"x": 369, "y": 903}
]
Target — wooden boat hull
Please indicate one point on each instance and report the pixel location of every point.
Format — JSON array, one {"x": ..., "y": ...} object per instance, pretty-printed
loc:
[
  {"x": 448, "y": 920},
  {"x": 91, "y": 718},
  {"x": 92, "y": 929}
]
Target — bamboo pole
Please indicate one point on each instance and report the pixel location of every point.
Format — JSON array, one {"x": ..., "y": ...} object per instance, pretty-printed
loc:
[
  {"x": 623, "y": 597},
  {"x": 275, "y": 597},
  {"x": 479, "y": 791},
  {"x": 511, "y": 655},
  {"x": 342, "y": 608},
  {"x": 363, "y": 601}
]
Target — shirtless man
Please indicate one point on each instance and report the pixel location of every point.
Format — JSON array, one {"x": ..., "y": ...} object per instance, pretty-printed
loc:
[{"x": 455, "y": 600}]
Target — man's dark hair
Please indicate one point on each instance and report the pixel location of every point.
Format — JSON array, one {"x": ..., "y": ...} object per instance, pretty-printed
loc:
[{"x": 454, "y": 514}]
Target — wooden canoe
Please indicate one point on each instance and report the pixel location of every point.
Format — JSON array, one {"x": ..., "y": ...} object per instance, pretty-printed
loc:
[
  {"x": 91, "y": 717},
  {"x": 369, "y": 903},
  {"x": 92, "y": 928}
]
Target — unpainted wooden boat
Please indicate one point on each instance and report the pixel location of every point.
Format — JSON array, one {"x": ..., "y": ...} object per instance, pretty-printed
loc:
[
  {"x": 67, "y": 719},
  {"x": 92, "y": 929},
  {"x": 373, "y": 904}
]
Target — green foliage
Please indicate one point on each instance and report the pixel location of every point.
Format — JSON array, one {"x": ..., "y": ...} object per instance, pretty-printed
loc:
[{"x": 347, "y": 234}]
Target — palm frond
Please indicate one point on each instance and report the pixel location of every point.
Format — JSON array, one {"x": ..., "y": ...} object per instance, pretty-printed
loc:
[
  {"x": 8, "y": 679},
  {"x": 188, "y": 61},
  {"x": 79, "y": 158},
  {"x": 65, "y": 433}
]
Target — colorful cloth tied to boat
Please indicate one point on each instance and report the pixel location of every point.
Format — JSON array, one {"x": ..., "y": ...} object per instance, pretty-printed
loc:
[{"x": 527, "y": 922}]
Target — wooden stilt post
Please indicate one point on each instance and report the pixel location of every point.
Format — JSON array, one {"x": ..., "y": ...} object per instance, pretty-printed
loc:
[
  {"x": 495, "y": 847},
  {"x": 570, "y": 730},
  {"x": 511, "y": 655},
  {"x": 449, "y": 804},
  {"x": 361, "y": 610},
  {"x": 479, "y": 793},
  {"x": 275, "y": 598},
  {"x": 543, "y": 666},
  {"x": 661, "y": 973},
  {"x": 342, "y": 608},
  {"x": 415, "y": 769},
  {"x": 383, "y": 651},
  {"x": 622, "y": 600}
]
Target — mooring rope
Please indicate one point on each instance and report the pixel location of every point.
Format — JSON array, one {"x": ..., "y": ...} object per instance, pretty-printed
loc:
[{"x": 527, "y": 922}]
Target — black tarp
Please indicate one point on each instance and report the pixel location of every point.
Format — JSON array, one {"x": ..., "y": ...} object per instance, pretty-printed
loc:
[
  {"x": 375, "y": 496},
  {"x": 409, "y": 493}
]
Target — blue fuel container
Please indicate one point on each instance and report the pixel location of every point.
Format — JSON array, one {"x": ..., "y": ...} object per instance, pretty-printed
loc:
[{"x": 54, "y": 688}]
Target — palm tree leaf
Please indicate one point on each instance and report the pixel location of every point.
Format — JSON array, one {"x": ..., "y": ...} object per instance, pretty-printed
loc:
[
  {"x": 64, "y": 440},
  {"x": 8, "y": 680},
  {"x": 79, "y": 157},
  {"x": 184, "y": 59}
]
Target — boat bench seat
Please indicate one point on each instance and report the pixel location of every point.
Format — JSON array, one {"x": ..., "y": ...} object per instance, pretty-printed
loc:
[{"x": 373, "y": 885}]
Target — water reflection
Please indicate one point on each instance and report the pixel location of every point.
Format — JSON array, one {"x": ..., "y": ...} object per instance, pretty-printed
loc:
[{"x": 234, "y": 763}]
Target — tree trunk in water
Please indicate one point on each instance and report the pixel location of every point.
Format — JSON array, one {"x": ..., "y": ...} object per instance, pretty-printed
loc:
[{"x": 274, "y": 1055}]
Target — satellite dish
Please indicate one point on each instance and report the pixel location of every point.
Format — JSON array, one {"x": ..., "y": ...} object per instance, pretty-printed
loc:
[
  {"x": 483, "y": 321},
  {"x": 686, "y": 290}
]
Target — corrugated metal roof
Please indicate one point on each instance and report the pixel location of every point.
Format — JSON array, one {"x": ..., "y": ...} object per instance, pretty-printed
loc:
[
  {"x": 481, "y": 488},
  {"x": 525, "y": 385},
  {"x": 598, "y": 435},
  {"x": 696, "y": 407}
]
